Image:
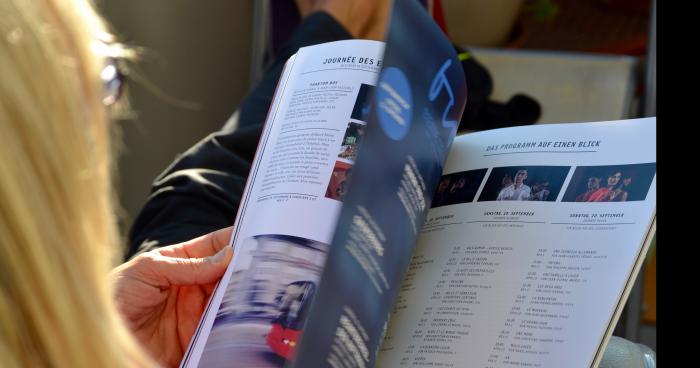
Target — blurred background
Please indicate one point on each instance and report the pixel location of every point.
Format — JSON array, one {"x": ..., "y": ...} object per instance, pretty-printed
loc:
[
  {"x": 194, "y": 72},
  {"x": 578, "y": 60}
]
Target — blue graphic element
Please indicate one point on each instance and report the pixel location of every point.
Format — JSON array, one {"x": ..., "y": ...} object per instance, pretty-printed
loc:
[
  {"x": 394, "y": 103},
  {"x": 439, "y": 82}
]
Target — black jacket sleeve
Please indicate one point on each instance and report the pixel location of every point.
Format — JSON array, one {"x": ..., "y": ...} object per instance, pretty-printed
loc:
[{"x": 200, "y": 191}]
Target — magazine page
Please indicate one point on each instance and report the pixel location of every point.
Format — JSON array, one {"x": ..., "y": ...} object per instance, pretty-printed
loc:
[
  {"x": 534, "y": 238},
  {"x": 413, "y": 113},
  {"x": 290, "y": 207}
]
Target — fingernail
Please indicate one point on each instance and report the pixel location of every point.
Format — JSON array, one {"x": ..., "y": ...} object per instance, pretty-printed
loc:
[{"x": 222, "y": 255}]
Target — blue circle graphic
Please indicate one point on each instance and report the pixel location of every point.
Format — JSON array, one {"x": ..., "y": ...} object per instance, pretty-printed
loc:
[{"x": 394, "y": 103}]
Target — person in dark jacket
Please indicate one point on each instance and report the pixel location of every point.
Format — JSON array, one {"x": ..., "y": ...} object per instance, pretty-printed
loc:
[{"x": 200, "y": 191}]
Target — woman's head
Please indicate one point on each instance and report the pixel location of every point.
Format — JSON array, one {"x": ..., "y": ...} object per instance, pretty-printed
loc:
[
  {"x": 57, "y": 227},
  {"x": 520, "y": 176},
  {"x": 614, "y": 178}
]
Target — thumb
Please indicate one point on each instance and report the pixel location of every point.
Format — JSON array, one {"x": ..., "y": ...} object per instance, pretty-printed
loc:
[{"x": 195, "y": 271}]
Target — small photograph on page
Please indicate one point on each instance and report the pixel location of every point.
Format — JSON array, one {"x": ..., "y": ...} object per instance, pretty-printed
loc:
[
  {"x": 612, "y": 183},
  {"x": 337, "y": 185},
  {"x": 524, "y": 183},
  {"x": 351, "y": 140},
  {"x": 259, "y": 322},
  {"x": 362, "y": 104},
  {"x": 458, "y": 187}
]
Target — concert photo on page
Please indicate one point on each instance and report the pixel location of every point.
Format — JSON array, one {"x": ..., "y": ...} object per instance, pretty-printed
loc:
[
  {"x": 524, "y": 183},
  {"x": 459, "y": 187},
  {"x": 611, "y": 183},
  {"x": 259, "y": 322},
  {"x": 351, "y": 141},
  {"x": 362, "y": 103},
  {"x": 338, "y": 183}
]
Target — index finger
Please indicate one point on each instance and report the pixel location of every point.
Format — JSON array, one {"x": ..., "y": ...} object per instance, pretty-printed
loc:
[{"x": 203, "y": 246}]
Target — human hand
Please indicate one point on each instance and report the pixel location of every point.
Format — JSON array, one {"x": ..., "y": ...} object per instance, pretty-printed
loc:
[{"x": 162, "y": 294}]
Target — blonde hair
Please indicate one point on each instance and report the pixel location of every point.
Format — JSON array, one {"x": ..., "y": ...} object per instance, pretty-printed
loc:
[{"x": 58, "y": 237}]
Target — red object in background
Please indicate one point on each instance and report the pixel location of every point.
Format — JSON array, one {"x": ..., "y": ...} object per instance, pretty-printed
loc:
[
  {"x": 283, "y": 341},
  {"x": 636, "y": 46},
  {"x": 629, "y": 6},
  {"x": 435, "y": 10},
  {"x": 619, "y": 27}
]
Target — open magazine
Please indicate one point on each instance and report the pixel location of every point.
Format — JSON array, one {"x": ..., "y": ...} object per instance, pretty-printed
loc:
[{"x": 526, "y": 257}]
